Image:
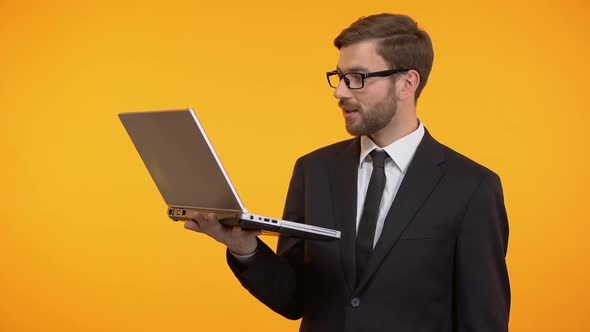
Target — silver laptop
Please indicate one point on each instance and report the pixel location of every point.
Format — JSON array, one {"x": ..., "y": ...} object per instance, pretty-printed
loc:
[{"x": 191, "y": 178}]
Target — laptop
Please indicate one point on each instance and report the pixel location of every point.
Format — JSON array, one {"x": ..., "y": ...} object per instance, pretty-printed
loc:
[{"x": 190, "y": 177}]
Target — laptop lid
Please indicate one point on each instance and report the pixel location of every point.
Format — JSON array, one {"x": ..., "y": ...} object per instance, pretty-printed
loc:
[{"x": 181, "y": 160}]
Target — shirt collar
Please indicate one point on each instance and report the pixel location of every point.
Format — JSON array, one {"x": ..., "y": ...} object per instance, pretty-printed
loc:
[{"x": 401, "y": 151}]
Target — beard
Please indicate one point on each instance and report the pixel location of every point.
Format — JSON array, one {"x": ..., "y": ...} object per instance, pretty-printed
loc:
[{"x": 371, "y": 120}]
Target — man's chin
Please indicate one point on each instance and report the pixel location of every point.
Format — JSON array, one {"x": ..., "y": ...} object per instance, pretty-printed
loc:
[{"x": 354, "y": 130}]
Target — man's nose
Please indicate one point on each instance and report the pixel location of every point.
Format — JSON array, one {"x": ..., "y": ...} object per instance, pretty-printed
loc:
[{"x": 342, "y": 91}]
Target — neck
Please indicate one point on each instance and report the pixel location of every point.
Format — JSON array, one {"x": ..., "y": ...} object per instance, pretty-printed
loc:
[{"x": 403, "y": 123}]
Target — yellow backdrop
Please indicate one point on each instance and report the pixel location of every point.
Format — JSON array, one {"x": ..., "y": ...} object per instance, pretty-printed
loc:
[{"x": 84, "y": 240}]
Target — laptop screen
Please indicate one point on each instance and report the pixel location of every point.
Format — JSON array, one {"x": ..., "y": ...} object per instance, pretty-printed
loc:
[{"x": 181, "y": 160}]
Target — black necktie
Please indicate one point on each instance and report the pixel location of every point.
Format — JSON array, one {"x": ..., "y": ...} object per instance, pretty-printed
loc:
[{"x": 366, "y": 229}]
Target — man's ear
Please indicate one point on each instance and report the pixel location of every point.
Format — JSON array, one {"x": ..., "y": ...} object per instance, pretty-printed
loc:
[{"x": 407, "y": 85}]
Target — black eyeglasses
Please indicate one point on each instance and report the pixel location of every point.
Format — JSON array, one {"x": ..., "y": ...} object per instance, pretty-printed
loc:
[{"x": 355, "y": 81}]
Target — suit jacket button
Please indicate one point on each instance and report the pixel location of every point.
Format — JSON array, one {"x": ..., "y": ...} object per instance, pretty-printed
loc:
[{"x": 355, "y": 302}]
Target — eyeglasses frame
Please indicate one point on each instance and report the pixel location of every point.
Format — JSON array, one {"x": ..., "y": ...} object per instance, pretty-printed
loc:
[{"x": 364, "y": 76}]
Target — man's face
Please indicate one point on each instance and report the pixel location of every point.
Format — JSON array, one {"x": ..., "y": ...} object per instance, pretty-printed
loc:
[{"x": 370, "y": 109}]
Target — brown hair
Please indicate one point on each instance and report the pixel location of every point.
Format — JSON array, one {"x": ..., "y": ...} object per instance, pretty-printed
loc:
[{"x": 401, "y": 43}]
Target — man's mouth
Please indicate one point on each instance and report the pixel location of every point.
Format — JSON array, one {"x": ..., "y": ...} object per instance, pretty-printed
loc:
[
  {"x": 348, "y": 108},
  {"x": 349, "y": 113}
]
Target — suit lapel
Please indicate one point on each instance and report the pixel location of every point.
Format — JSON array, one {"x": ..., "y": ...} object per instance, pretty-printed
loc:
[
  {"x": 343, "y": 182},
  {"x": 420, "y": 179}
]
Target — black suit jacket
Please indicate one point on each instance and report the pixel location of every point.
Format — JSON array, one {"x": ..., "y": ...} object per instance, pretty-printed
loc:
[{"x": 439, "y": 264}]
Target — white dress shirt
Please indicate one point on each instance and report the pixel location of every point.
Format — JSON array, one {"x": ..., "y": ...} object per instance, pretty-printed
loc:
[{"x": 401, "y": 153}]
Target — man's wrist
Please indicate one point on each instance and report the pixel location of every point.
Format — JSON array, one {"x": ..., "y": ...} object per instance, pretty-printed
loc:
[
  {"x": 246, "y": 247},
  {"x": 244, "y": 259}
]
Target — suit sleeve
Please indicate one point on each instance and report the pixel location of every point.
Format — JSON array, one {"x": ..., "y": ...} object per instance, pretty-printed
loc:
[
  {"x": 482, "y": 300},
  {"x": 273, "y": 278}
]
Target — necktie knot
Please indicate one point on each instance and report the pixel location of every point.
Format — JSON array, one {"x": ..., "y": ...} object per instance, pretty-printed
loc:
[{"x": 379, "y": 157}]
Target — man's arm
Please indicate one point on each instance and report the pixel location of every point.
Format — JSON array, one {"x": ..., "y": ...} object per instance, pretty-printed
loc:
[
  {"x": 482, "y": 299},
  {"x": 275, "y": 279}
]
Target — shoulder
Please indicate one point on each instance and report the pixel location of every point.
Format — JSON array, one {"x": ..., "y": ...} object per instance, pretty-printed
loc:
[
  {"x": 464, "y": 163},
  {"x": 462, "y": 167}
]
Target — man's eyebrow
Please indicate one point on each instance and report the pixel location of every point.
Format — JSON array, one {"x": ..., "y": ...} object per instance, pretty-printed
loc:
[{"x": 357, "y": 69}]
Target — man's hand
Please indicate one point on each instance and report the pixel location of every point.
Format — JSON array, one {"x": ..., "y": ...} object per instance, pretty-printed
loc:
[{"x": 238, "y": 241}]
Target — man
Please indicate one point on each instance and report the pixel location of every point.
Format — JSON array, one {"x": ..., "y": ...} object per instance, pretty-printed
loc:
[{"x": 424, "y": 229}]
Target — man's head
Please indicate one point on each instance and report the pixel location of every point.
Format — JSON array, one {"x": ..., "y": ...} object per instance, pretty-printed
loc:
[
  {"x": 399, "y": 41},
  {"x": 384, "y": 63}
]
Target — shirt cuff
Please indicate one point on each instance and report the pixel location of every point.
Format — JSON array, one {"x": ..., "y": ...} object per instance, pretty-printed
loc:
[{"x": 243, "y": 259}]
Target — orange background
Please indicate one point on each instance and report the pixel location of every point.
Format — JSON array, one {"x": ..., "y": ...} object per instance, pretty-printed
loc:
[{"x": 84, "y": 240}]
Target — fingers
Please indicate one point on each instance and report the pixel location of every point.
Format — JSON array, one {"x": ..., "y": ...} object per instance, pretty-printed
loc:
[
  {"x": 192, "y": 225},
  {"x": 195, "y": 223},
  {"x": 240, "y": 241},
  {"x": 203, "y": 224},
  {"x": 209, "y": 224}
]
